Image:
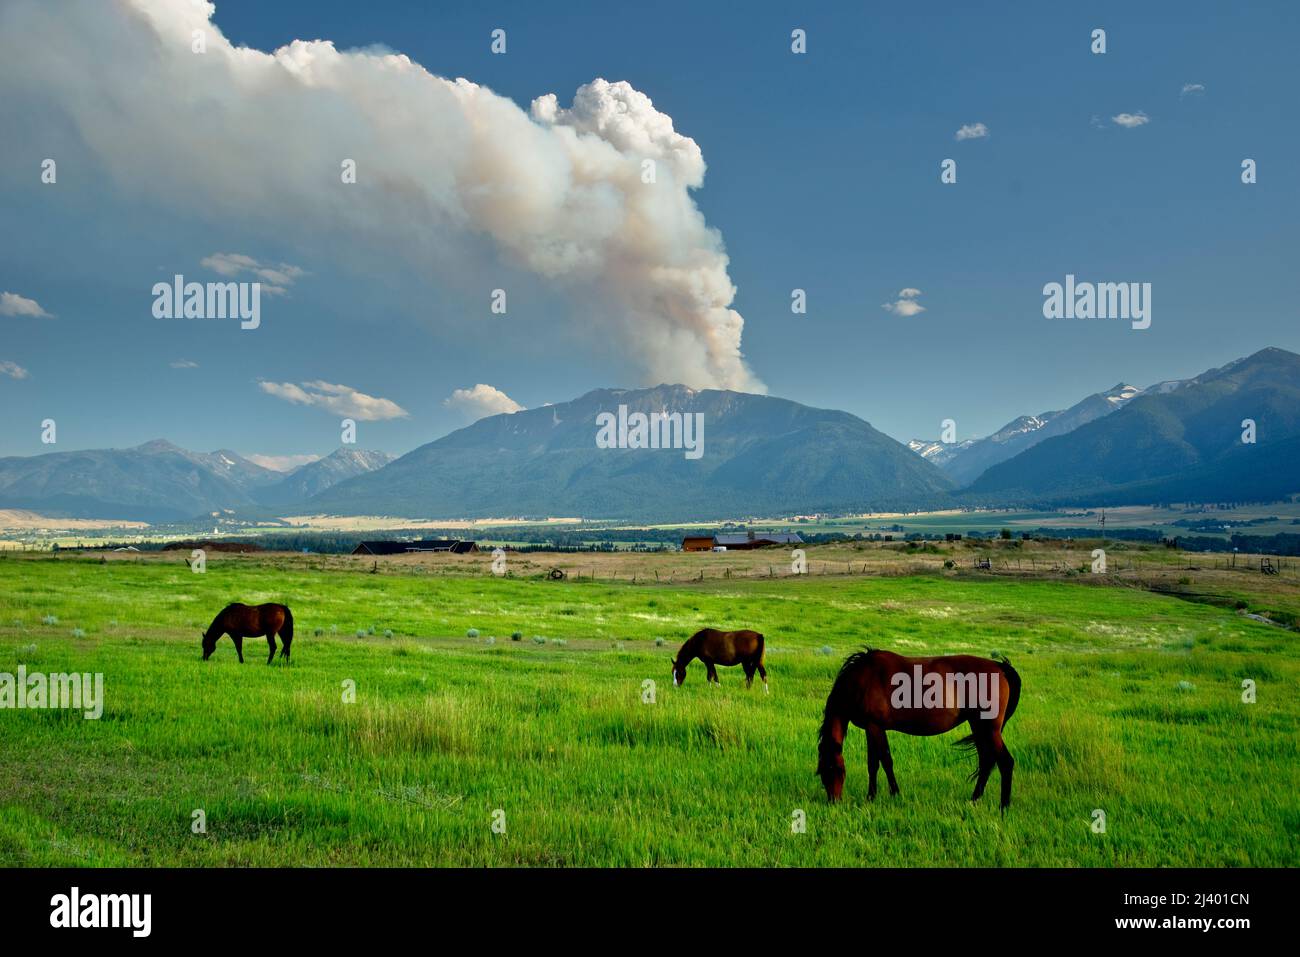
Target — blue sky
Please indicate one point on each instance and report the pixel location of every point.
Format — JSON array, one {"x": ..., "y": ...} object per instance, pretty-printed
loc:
[{"x": 822, "y": 174}]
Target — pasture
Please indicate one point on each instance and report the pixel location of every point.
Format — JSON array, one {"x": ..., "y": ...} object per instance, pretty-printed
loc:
[{"x": 1132, "y": 705}]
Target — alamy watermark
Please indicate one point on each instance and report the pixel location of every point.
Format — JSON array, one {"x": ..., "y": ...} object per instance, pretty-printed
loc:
[
  {"x": 130, "y": 911},
  {"x": 75, "y": 691},
  {"x": 1102, "y": 300},
  {"x": 658, "y": 430},
  {"x": 952, "y": 690},
  {"x": 212, "y": 300}
]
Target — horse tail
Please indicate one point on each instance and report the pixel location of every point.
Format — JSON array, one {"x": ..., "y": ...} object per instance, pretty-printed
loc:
[
  {"x": 762, "y": 648},
  {"x": 286, "y": 631},
  {"x": 1013, "y": 679}
]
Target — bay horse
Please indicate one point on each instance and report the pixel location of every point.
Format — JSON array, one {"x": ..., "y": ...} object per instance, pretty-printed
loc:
[
  {"x": 880, "y": 692},
  {"x": 724, "y": 648},
  {"x": 251, "y": 621}
]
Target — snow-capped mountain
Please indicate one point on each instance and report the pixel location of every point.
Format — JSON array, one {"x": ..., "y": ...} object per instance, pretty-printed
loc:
[
  {"x": 315, "y": 477},
  {"x": 965, "y": 461}
]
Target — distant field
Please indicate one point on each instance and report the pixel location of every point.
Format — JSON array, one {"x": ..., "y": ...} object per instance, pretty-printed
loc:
[
  {"x": 1132, "y": 705},
  {"x": 1136, "y": 516},
  {"x": 21, "y": 529}
]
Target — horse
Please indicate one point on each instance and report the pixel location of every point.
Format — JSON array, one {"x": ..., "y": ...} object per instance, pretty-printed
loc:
[
  {"x": 880, "y": 691},
  {"x": 251, "y": 621},
  {"x": 724, "y": 648}
]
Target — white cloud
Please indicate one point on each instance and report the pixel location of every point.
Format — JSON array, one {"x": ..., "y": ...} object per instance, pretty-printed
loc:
[
  {"x": 275, "y": 279},
  {"x": 480, "y": 401},
  {"x": 339, "y": 399},
  {"x": 972, "y": 131},
  {"x": 1131, "y": 120},
  {"x": 446, "y": 169},
  {"x": 1190, "y": 89},
  {"x": 184, "y": 364},
  {"x": 12, "y": 369},
  {"x": 906, "y": 304},
  {"x": 282, "y": 463},
  {"x": 12, "y": 304}
]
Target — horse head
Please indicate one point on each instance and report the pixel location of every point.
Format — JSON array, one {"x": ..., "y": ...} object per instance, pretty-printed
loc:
[{"x": 830, "y": 767}]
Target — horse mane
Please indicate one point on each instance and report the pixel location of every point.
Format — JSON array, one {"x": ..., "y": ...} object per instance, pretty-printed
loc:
[
  {"x": 219, "y": 615},
  {"x": 851, "y": 665},
  {"x": 853, "y": 660}
]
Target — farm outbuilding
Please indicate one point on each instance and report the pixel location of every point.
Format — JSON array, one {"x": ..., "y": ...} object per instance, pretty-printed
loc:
[
  {"x": 740, "y": 542},
  {"x": 453, "y": 545}
]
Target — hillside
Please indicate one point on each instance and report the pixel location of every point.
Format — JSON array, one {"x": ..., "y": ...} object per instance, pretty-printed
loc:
[{"x": 761, "y": 456}]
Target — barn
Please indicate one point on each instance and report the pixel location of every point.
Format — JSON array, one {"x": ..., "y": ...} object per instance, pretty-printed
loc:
[
  {"x": 453, "y": 545},
  {"x": 741, "y": 542}
]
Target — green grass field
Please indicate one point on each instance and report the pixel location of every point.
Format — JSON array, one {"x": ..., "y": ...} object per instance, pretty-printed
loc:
[{"x": 1132, "y": 705}]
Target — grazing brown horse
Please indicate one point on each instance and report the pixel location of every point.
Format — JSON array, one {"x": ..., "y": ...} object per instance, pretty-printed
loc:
[
  {"x": 880, "y": 691},
  {"x": 724, "y": 648},
  {"x": 251, "y": 621}
]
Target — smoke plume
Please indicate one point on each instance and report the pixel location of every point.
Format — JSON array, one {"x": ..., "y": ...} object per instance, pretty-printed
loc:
[{"x": 258, "y": 138}]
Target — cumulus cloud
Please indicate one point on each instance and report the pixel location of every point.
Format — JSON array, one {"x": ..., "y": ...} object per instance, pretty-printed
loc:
[
  {"x": 282, "y": 463},
  {"x": 1191, "y": 89},
  {"x": 275, "y": 279},
  {"x": 441, "y": 165},
  {"x": 12, "y": 369},
  {"x": 905, "y": 304},
  {"x": 184, "y": 364},
  {"x": 339, "y": 399},
  {"x": 480, "y": 401},
  {"x": 1131, "y": 120},
  {"x": 12, "y": 304},
  {"x": 972, "y": 131}
]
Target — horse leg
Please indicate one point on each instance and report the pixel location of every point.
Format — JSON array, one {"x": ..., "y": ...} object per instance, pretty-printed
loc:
[
  {"x": 270, "y": 640},
  {"x": 1006, "y": 764},
  {"x": 713, "y": 673},
  {"x": 987, "y": 758},
  {"x": 749, "y": 674},
  {"x": 887, "y": 760},
  {"x": 873, "y": 758},
  {"x": 762, "y": 673},
  {"x": 239, "y": 646}
]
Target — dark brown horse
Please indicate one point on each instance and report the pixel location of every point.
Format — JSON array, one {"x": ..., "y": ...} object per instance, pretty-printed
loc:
[
  {"x": 880, "y": 692},
  {"x": 724, "y": 648},
  {"x": 251, "y": 621}
]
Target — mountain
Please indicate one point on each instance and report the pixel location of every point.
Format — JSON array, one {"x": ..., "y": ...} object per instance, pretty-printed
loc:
[
  {"x": 966, "y": 461},
  {"x": 154, "y": 482},
  {"x": 315, "y": 477},
  {"x": 1176, "y": 442},
  {"x": 761, "y": 456},
  {"x": 940, "y": 453}
]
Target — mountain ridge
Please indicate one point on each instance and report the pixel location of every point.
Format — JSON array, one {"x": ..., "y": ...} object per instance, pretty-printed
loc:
[
  {"x": 966, "y": 461},
  {"x": 762, "y": 454},
  {"x": 1179, "y": 440},
  {"x": 1183, "y": 443}
]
